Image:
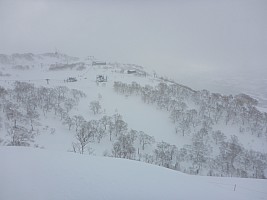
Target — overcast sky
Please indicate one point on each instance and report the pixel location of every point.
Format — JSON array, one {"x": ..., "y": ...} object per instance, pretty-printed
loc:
[{"x": 186, "y": 36}]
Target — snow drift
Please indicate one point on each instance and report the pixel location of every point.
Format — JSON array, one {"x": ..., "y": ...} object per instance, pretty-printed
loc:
[{"x": 28, "y": 173}]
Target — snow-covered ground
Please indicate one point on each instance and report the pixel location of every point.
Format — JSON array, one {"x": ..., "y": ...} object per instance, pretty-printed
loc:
[
  {"x": 53, "y": 173},
  {"x": 28, "y": 173},
  {"x": 138, "y": 115}
]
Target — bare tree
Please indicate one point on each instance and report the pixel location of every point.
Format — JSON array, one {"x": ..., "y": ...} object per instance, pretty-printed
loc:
[
  {"x": 183, "y": 126},
  {"x": 69, "y": 121},
  {"x": 120, "y": 127},
  {"x": 95, "y": 107},
  {"x": 77, "y": 94},
  {"x": 218, "y": 137},
  {"x": 19, "y": 136},
  {"x": 99, "y": 131},
  {"x": 123, "y": 147},
  {"x": 69, "y": 104},
  {"x": 83, "y": 138},
  {"x": 165, "y": 154},
  {"x": 105, "y": 121},
  {"x": 228, "y": 154},
  {"x": 78, "y": 121},
  {"x": 145, "y": 139},
  {"x": 200, "y": 150},
  {"x": 111, "y": 129},
  {"x": 3, "y": 92},
  {"x": 32, "y": 115},
  {"x": 12, "y": 112}
]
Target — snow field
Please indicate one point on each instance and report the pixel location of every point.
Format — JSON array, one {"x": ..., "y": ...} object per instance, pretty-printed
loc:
[{"x": 28, "y": 173}]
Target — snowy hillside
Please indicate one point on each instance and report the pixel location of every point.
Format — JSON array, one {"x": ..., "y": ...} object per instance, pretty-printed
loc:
[
  {"x": 28, "y": 173},
  {"x": 63, "y": 103}
]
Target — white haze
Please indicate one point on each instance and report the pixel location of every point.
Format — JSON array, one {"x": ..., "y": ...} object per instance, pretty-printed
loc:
[{"x": 218, "y": 45}]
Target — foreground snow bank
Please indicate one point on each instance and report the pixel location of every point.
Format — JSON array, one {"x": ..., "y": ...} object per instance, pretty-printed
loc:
[{"x": 40, "y": 174}]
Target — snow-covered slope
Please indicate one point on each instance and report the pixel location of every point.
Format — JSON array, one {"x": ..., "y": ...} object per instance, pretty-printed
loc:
[
  {"x": 46, "y": 106},
  {"x": 28, "y": 173}
]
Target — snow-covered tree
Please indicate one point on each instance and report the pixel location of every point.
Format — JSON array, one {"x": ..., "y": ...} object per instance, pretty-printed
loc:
[
  {"x": 145, "y": 139},
  {"x": 19, "y": 136},
  {"x": 123, "y": 147},
  {"x": 95, "y": 107},
  {"x": 83, "y": 137}
]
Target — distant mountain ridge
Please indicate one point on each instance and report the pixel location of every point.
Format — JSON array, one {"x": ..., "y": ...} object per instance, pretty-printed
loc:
[{"x": 17, "y": 58}]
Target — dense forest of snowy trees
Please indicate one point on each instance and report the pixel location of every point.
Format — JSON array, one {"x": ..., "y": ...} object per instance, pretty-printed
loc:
[
  {"x": 197, "y": 115},
  {"x": 23, "y": 104}
]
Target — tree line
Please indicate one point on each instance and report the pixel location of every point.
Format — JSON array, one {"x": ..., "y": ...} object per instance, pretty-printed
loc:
[
  {"x": 23, "y": 103},
  {"x": 195, "y": 115},
  {"x": 198, "y": 115}
]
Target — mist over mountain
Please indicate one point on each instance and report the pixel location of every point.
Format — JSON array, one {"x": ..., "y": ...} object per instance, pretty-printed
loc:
[
  {"x": 215, "y": 45},
  {"x": 153, "y": 95}
]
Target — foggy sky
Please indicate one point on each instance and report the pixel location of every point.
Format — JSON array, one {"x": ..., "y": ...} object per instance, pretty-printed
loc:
[{"x": 175, "y": 37}]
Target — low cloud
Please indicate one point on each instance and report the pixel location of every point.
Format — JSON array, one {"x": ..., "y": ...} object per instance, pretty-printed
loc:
[{"x": 182, "y": 39}]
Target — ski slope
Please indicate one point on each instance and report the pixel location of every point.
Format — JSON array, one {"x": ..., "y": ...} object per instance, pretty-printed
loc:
[
  {"x": 138, "y": 115},
  {"x": 28, "y": 173},
  {"x": 54, "y": 135}
]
